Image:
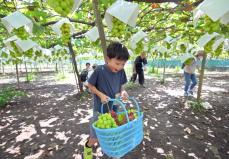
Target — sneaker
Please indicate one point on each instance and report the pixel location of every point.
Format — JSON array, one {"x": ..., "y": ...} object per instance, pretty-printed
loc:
[
  {"x": 186, "y": 94},
  {"x": 87, "y": 153},
  {"x": 142, "y": 86}
]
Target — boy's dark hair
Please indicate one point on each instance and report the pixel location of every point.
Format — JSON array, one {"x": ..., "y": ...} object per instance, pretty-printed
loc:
[
  {"x": 117, "y": 50},
  {"x": 88, "y": 63}
]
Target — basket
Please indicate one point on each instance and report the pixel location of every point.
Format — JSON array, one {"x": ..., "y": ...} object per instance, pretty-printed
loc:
[{"x": 116, "y": 142}]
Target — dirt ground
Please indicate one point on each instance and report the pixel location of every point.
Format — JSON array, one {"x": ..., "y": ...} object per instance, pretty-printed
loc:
[{"x": 52, "y": 121}]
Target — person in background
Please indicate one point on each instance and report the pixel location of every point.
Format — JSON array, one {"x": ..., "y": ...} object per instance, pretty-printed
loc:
[
  {"x": 90, "y": 72},
  {"x": 189, "y": 67},
  {"x": 138, "y": 69},
  {"x": 84, "y": 74}
]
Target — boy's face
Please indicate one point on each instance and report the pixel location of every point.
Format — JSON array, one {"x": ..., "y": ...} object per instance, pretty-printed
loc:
[{"x": 115, "y": 64}]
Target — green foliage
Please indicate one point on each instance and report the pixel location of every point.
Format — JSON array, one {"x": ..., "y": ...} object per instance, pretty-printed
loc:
[
  {"x": 61, "y": 7},
  {"x": 196, "y": 106},
  {"x": 31, "y": 77},
  {"x": 177, "y": 69},
  {"x": 130, "y": 85},
  {"x": 151, "y": 70},
  {"x": 60, "y": 76},
  {"x": 7, "y": 94},
  {"x": 139, "y": 47},
  {"x": 21, "y": 33}
]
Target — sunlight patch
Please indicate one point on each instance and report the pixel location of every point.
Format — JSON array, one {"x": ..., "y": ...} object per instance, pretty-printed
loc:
[
  {"x": 61, "y": 136},
  {"x": 61, "y": 98},
  {"x": 192, "y": 155},
  {"x": 26, "y": 133},
  {"x": 168, "y": 124},
  {"x": 195, "y": 127},
  {"x": 159, "y": 150},
  {"x": 4, "y": 126},
  {"x": 99, "y": 152},
  {"x": 86, "y": 118},
  {"x": 47, "y": 122},
  {"x": 35, "y": 156},
  {"x": 210, "y": 133},
  {"x": 77, "y": 156},
  {"x": 83, "y": 138},
  {"x": 161, "y": 105},
  {"x": 13, "y": 150},
  {"x": 175, "y": 93},
  {"x": 152, "y": 127},
  {"x": 214, "y": 89}
]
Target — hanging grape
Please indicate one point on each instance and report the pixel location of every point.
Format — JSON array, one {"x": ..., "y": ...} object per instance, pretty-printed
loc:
[
  {"x": 118, "y": 28},
  {"x": 65, "y": 32},
  {"x": 61, "y": 7},
  {"x": 21, "y": 33}
]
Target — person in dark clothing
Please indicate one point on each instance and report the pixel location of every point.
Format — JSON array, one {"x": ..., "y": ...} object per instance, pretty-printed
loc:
[{"x": 138, "y": 70}]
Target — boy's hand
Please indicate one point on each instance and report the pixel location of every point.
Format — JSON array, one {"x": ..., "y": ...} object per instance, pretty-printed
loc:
[
  {"x": 124, "y": 95},
  {"x": 104, "y": 98}
]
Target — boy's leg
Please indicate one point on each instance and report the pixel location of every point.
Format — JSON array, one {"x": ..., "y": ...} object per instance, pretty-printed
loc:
[
  {"x": 187, "y": 78},
  {"x": 92, "y": 139},
  {"x": 194, "y": 82}
]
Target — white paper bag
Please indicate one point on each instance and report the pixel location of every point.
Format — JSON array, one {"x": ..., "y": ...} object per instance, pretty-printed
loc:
[
  {"x": 126, "y": 12},
  {"x": 226, "y": 45},
  {"x": 56, "y": 27},
  {"x": 25, "y": 45},
  {"x": 17, "y": 20},
  {"x": 215, "y": 9},
  {"x": 186, "y": 56},
  {"x": 7, "y": 42},
  {"x": 217, "y": 43},
  {"x": 206, "y": 38},
  {"x": 92, "y": 34},
  {"x": 136, "y": 38}
]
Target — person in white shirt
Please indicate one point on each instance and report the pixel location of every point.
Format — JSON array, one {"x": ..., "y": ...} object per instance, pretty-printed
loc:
[{"x": 190, "y": 66}]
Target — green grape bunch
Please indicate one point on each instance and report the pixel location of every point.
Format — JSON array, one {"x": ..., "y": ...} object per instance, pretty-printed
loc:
[
  {"x": 183, "y": 48},
  {"x": 219, "y": 50},
  {"x": 139, "y": 47},
  {"x": 66, "y": 32},
  {"x": 211, "y": 26},
  {"x": 62, "y": 7},
  {"x": 21, "y": 33},
  {"x": 105, "y": 121},
  {"x": 189, "y": 61},
  {"x": 208, "y": 46},
  {"x": 118, "y": 28},
  {"x": 13, "y": 45}
]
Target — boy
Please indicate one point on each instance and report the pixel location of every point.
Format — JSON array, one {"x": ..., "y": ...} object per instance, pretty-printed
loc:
[{"x": 106, "y": 81}]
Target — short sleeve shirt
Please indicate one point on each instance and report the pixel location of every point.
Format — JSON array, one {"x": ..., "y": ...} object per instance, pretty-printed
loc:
[{"x": 106, "y": 82}]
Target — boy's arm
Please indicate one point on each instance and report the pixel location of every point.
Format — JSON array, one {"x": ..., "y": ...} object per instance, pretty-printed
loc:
[
  {"x": 102, "y": 96},
  {"x": 123, "y": 93}
]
